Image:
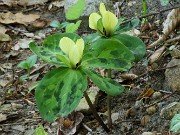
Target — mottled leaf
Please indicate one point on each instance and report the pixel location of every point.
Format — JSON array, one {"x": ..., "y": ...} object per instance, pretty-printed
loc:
[
  {"x": 107, "y": 85},
  {"x": 59, "y": 92},
  {"x": 50, "y": 51},
  {"x": 109, "y": 54}
]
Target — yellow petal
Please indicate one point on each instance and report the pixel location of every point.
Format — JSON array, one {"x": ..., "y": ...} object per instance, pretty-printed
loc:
[
  {"x": 74, "y": 55},
  {"x": 66, "y": 44},
  {"x": 102, "y": 9},
  {"x": 109, "y": 21},
  {"x": 93, "y": 19},
  {"x": 80, "y": 45}
]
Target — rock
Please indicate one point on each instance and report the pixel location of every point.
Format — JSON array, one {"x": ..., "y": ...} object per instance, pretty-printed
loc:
[
  {"x": 92, "y": 93},
  {"x": 91, "y": 5},
  {"x": 156, "y": 95},
  {"x": 175, "y": 53},
  {"x": 151, "y": 110},
  {"x": 170, "y": 110},
  {"x": 19, "y": 128},
  {"x": 2, "y": 117},
  {"x": 173, "y": 75},
  {"x": 148, "y": 133}
]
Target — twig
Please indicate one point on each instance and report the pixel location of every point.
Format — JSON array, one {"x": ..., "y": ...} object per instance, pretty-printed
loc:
[
  {"x": 160, "y": 100},
  {"x": 155, "y": 71},
  {"x": 87, "y": 128},
  {"x": 173, "y": 39},
  {"x": 151, "y": 14}
]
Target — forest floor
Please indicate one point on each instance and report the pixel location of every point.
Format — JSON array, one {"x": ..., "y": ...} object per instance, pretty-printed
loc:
[{"x": 151, "y": 85}]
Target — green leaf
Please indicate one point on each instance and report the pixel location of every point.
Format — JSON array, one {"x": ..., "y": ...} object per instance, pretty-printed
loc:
[
  {"x": 128, "y": 26},
  {"x": 107, "y": 85},
  {"x": 76, "y": 10},
  {"x": 73, "y": 27},
  {"x": 134, "y": 44},
  {"x": 57, "y": 24},
  {"x": 40, "y": 131},
  {"x": 108, "y": 54},
  {"x": 50, "y": 50},
  {"x": 164, "y": 2},
  {"x": 175, "y": 123},
  {"x": 28, "y": 63},
  {"x": 59, "y": 92}
]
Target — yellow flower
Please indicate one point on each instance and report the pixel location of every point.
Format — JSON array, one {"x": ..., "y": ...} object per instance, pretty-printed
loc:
[
  {"x": 74, "y": 50},
  {"x": 109, "y": 20}
]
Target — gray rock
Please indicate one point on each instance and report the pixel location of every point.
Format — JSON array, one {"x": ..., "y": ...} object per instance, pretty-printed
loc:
[
  {"x": 173, "y": 75},
  {"x": 91, "y": 5},
  {"x": 148, "y": 133},
  {"x": 170, "y": 110}
]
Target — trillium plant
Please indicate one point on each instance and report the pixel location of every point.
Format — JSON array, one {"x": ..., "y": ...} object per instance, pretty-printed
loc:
[{"x": 75, "y": 61}]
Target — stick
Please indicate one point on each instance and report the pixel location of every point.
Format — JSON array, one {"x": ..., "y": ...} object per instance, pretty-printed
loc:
[{"x": 151, "y": 14}]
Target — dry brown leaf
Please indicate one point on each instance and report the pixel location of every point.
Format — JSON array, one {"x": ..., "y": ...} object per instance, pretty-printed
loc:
[
  {"x": 3, "y": 36},
  {"x": 156, "y": 54},
  {"x": 22, "y": 2},
  {"x": 172, "y": 21},
  {"x": 128, "y": 76},
  {"x": 145, "y": 119},
  {"x": 68, "y": 125},
  {"x": 146, "y": 93},
  {"x": 8, "y": 18}
]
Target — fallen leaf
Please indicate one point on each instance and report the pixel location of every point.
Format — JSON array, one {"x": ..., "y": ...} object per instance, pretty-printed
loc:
[
  {"x": 4, "y": 37},
  {"x": 22, "y": 43},
  {"x": 22, "y": 2},
  {"x": 128, "y": 76},
  {"x": 154, "y": 57},
  {"x": 69, "y": 124},
  {"x": 9, "y": 18},
  {"x": 146, "y": 93},
  {"x": 56, "y": 4},
  {"x": 145, "y": 119}
]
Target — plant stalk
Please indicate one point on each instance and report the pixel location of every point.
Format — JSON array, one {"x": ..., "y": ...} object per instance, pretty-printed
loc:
[
  {"x": 144, "y": 7},
  {"x": 98, "y": 118},
  {"x": 109, "y": 104}
]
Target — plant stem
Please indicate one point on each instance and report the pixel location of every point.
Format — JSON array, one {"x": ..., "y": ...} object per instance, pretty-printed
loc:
[
  {"x": 109, "y": 104},
  {"x": 98, "y": 118},
  {"x": 144, "y": 7}
]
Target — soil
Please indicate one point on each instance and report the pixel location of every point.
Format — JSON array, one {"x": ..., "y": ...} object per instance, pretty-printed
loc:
[{"x": 17, "y": 97}]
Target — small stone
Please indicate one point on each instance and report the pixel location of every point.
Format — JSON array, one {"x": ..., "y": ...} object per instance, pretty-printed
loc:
[
  {"x": 114, "y": 117},
  {"x": 2, "y": 117},
  {"x": 170, "y": 110},
  {"x": 156, "y": 95},
  {"x": 19, "y": 128},
  {"x": 151, "y": 110},
  {"x": 148, "y": 133}
]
